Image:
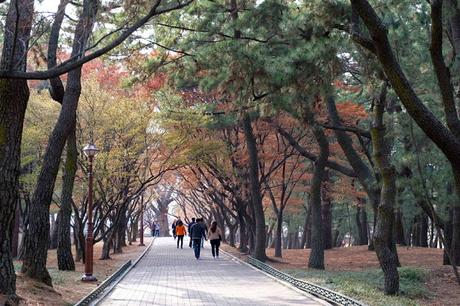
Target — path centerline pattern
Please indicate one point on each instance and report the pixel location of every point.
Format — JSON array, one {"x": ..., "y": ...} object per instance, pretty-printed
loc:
[{"x": 170, "y": 276}]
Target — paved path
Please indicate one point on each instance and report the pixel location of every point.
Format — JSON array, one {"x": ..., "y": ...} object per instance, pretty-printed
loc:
[{"x": 170, "y": 276}]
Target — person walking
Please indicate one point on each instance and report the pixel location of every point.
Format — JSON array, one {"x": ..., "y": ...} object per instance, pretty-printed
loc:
[
  {"x": 190, "y": 232},
  {"x": 197, "y": 232},
  {"x": 173, "y": 227},
  {"x": 157, "y": 229},
  {"x": 180, "y": 231},
  {"x": 215, "y": 237}
]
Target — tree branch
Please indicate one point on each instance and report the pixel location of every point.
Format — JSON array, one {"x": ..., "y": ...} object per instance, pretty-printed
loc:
[{"x": 72, "y": 64}]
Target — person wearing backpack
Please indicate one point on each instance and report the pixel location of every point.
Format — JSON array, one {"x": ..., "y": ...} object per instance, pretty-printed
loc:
[
  {"x": 197, "y": 232},
  {"x": 215, "y": 236},
  {"x": 180, "y": 232}
]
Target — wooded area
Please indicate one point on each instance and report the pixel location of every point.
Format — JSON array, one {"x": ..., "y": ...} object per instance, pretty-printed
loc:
[{"x": 293, "y": 124}]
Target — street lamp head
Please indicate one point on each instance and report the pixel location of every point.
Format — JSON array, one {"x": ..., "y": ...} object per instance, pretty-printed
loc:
[{"x": 90, "y": 150}]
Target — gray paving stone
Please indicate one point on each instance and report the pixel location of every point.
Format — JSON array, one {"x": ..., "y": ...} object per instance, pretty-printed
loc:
[{"x": 170, "y": 276}]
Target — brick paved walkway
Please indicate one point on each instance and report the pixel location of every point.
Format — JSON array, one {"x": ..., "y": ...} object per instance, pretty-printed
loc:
[{"x": 170, "y": 276}]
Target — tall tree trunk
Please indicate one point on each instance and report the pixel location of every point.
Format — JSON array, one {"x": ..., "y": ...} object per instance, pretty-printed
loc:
[
  {"x": 34, "y": 264},
  {"x": 448, "y": 234},
  {"x": 120, "y": 229},
  {"x": 256, "y": 199},
  {"x": 64, "y": 247},
  {"x": 164, "y": 225},
  {"x": 14, "y": 95},
  {"x": 326, "y": 214},
  {"x": 16, "y": 227},
  {"x": 105, "y": 253},
  {"x": 423, "y": 231},
  {"x": 383, "y": 235},
  {"x": 306, "y": 231},
  {"x": 279, "y": 233},
  {"x": 399, "y": 228},
  {"x": 361, "y": 223},
  {"x": 231, "y": 236},
  {"x": 107, "y": 244},
  {"x": 243, "y": 245},
  {"x": 336, "y": 239},
  {"x": 415, "y": 232},
  {"x": 134, "y": 231},
  {"x": 455, "y": 242},
  {"x": 290, "y": 238},
  {"x": 79, "y": 237},
  {"x": 316, "y": 259}
]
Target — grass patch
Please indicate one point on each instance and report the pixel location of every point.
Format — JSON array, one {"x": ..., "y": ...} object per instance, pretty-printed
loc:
[
  {"x": 367, "y": 286},
  {"x": 64, "y": 277}
]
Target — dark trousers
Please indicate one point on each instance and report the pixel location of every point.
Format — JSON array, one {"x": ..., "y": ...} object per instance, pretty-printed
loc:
[
  {"x": 215, "y": 243},
  {"x": 196, "y": 247},
  {"x": 181, "y": 239}
]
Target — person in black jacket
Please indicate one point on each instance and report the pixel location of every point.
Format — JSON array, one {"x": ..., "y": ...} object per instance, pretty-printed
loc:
[{"x": 197, "y": 232}]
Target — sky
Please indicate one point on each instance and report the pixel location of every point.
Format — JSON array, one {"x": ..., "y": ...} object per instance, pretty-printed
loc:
[{"x": 46, "y": 6}]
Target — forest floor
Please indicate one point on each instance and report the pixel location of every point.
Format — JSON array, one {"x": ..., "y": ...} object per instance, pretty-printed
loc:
[
  {"x": 67, "y": 287},
  {"x": 355, "y": 272}
]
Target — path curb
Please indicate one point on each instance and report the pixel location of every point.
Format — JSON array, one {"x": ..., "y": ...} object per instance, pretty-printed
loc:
[{"x": 99, "y": 293}]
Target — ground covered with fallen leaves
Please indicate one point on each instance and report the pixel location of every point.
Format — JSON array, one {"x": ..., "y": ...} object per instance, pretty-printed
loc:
[
  {"x": 355, "y": 272},
  {"x": 67, "y": 287}
]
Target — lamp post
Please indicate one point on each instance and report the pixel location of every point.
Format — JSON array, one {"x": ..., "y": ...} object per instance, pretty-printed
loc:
[{"x": 90, "y": 151}]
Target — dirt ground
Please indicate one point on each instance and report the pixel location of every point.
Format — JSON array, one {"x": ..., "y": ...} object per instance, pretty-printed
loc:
[
  {"x": 67, "y": 287},
  {"x": 441, "y": 280}
]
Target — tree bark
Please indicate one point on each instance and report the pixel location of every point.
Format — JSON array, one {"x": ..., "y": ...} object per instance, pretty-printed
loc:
[
  {"x": 107, "y": 245},
  {"x": 423, "y": 230},
  {"x": 278, "y": 234},
  {"x": 455, "y": 243},
  {"x": 415, "y": 232},
  {"x": 361, "y": 223},
  {"x": 231, "y": 236},
  {"x": 383, "y": 236},
  {"x": 326, "y": 214},
  {"x": 256, "y": 199},
  {"x": 64, "y": 247},
  {"x": 243, "y": 245},
  {"x": 399, "y": 228},
  {"x": 79, "y": 237},
  {"x": 306, "y": 230},
  {"x": 316, "y": 259},
  {"x": 14, "y": 95},
  {"x": 16, "y": 227}
]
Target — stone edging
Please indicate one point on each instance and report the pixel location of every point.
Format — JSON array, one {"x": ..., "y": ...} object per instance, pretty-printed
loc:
[{"x": 99, "y": 293}]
